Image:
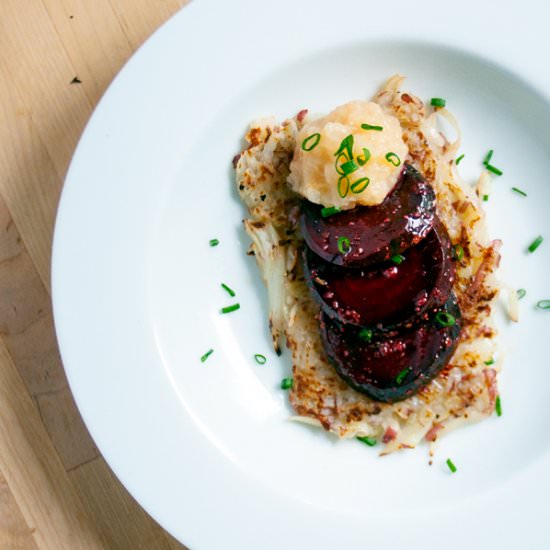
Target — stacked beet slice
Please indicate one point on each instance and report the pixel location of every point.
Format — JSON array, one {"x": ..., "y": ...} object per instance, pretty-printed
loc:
[{"x": 383, "y": 276}]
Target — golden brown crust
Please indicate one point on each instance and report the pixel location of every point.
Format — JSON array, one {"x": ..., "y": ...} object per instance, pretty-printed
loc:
[{"x": 466, "y": 389}]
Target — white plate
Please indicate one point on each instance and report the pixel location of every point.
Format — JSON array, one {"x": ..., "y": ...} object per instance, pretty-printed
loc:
[{"x": 206, "y": 448}]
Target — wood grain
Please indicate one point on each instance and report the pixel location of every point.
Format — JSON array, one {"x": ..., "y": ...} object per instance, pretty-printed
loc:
[
  {"x": 34, "y": 473},
  {"x": 56, "y": 491},
  {"x": 15, "y": 534}
]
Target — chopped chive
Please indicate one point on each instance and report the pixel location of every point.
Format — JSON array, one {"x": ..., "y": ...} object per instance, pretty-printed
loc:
[
  {"x": 213, "y": 242},
  {"x": 287, "y": 383},
  {"x": 488, "y": 157},
  {"x": 370, "y": 441},
  {"x": 229, "y": 291},
  {"x": 451, "y": 465},
  {"x": 358, "y": 186},
  {"x": 521, "y": 292},
  {"x": 329, "y": 211},
  {"x": 445, "y": 319},
  {"x": 338, "y": 163},
  {"x": 392, "y": 158},
  {"x": 229, "y": 309},
  {"x": 394, "y": 246},
  {"x": 437, "y": 102},
  {"x": 207, "y": 355},
  {"x": 494, "y": 169},
  {"x": 343, "y": 245},
  {"x": 343, "y": 186},
  {"x": 498, "y": 406},
  {"x": 535, "y": 244},
  {"x": 397, "y": 258},
  {"x": 543, "y": 304},
  {"x": 401, "y": 376},
  {"x": 365, "y": 334},
  {"x": 311, "y": 142},
  {"x": 346, "y": 146},
  {"x": 458, "y": 252},
  {"x": 348, "y": 167},
  {"x": 363, "y": 159},
  {"x": 490, "y": 167},
  {"x": 260, "y": 359},
  {"x": 366, "y": 126},
  {"x": 519, "y": 191},
  {"x": 490, "y": 362},
  {"x": 457, "y": 161},
  {"x": 485, "y": 198}
]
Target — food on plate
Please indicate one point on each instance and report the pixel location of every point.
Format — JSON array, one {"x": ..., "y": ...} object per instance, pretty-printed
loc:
[
  {"x": 378, "y": 266},
  {"x": 392, "y": 366},
  {"x": 375, "y": 233},
  {"x": 387, "y": 293},
  {"x": 361, "y": 126}
]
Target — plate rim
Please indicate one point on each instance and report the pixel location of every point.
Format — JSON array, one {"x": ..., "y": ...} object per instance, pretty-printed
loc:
[{"x": 185, "y": 21}]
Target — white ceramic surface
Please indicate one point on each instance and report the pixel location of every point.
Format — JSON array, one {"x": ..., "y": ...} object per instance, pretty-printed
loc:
[{"x": 206, "y": 448}]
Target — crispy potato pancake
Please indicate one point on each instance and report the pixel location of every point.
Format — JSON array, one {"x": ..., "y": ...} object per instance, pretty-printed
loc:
[{"x": 466, "y": 389}]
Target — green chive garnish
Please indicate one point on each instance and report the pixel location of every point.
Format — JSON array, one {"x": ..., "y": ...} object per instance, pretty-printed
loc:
[
  {"x": 457, "y": 161},
  {"x": 346, "y": 146},
  {"x": 229, "y": 291},
  {"x": 366, "y": 126},
  {"x": 343, "y": 186},
  {"x": 392, "y": 158},
  {"x": 494, "y": 169},
  {"x": 521, "y": 292},
  {"x": 329, "y": 211},
  {"x": 348, "y": 167},
  {"x": 397, "y": 258},
  {"x": 490, "y": 167},
  {"x": 358, "y": 186},
  {"x": 437, "y": 102},
  {"x": 311, "y": 142},
  {"x": 342, "y": 158},
  {"x": 260, "y": 359},
  {"x": 519, "y": 191},
  {"x": 498, "y": 406},
  {"x": 488, "y": 157},
  {"x": 401, "y": 376},
  {"x": 451, "y": 465},
  {"x": 213, "y": 242},
  {"x": 366, "y": 334},
  {"x": 229, "y": 309},
  {"x": 459, "y": 252},
  {"x": 490, "y": 362},
  {"x": 485, "y": 198},
  {"x": 207, "y": 355},
  {"x": 363, "y": 159},
  {"x": 445, "y": 319},
  {"x": 287, "y": 383},
  {"x": 370, "y": 441},
  {"x": 535, "y": 244},
  {"x": 343, "y": 245},
  {"x": 543, "y": 304}
]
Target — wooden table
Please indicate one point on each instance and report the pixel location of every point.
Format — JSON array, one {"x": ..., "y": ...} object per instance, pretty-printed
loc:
[{"x": 56, "y": 59}]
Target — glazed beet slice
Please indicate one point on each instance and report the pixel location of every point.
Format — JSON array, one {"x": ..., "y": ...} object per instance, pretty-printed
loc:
[
  {"x": 395, "y": 366},
  {"x": 385, "y": 294},
  {"x": 375, "y": 233}
]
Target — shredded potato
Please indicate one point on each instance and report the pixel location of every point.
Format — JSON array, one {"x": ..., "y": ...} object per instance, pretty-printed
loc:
[
  {"x": 466, "y": 389},
  {"x": 513, "y": 305}
]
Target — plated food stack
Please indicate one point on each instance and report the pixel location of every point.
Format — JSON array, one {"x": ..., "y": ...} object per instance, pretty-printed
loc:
[
  {"x": 383, "y": 276},
  {"x": 378, "y": 266}
]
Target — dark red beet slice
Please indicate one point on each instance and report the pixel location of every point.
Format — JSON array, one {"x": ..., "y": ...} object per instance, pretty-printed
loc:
[
  {"x": 386, "y": 294},
  {"x": 395, "y": 366},
  {"x": 375, "y": 233}
]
